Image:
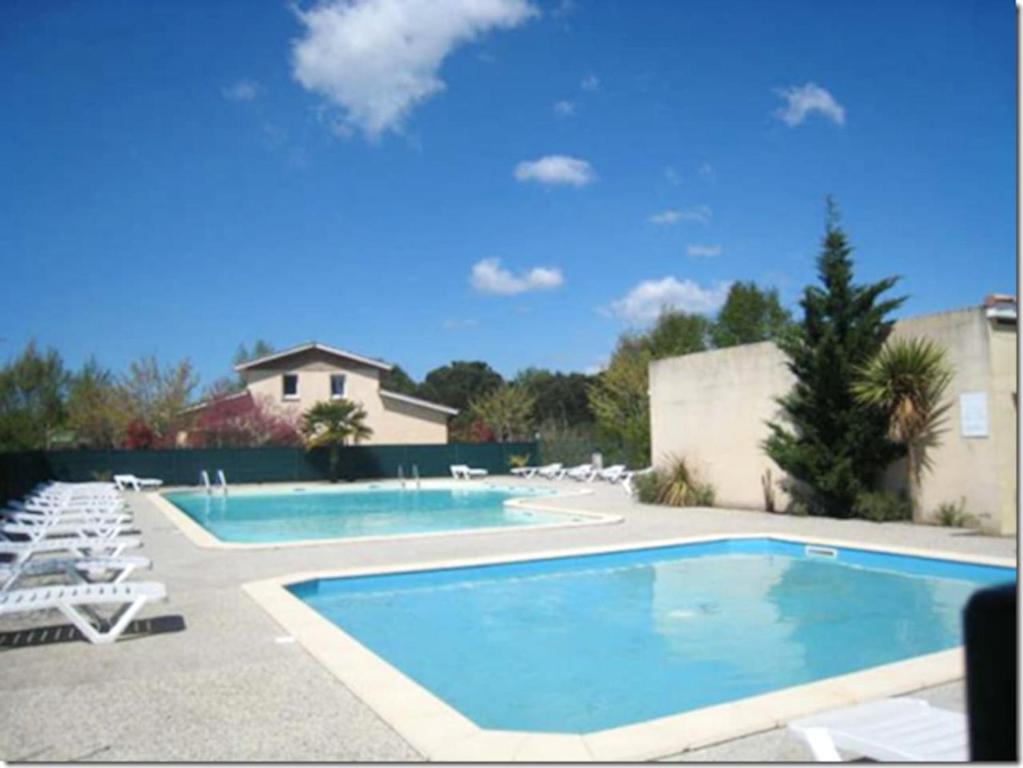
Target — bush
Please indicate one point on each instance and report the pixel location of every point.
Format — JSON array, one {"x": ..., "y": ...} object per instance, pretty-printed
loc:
[
  {"x": 882, "y": 506},
  {"x": 516, "y": 460},
  {"x": 675, "y": 486},
  {"x": 954, "y": 514}
]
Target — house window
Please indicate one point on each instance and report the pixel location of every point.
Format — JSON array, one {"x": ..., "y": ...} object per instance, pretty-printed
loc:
[
  {"x": 290, "y": 390},
  {"x": 337, "y": 386}
]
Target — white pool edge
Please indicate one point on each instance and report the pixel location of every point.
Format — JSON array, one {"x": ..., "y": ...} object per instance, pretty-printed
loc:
[
  {"x": 441, "y": 733},
  {"x": 201, "y": 537}
]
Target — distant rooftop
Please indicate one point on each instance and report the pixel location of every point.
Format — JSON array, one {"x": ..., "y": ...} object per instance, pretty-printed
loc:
[{"x": 314, "y": 345}]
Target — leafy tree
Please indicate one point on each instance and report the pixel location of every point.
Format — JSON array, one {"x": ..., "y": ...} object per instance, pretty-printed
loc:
[
  {"x": 331, "y": 424},
  {"x": 507, "y": 411},
  {"x": 677, "y": 333},
  {"x": 459, "y": 382},
  {"x": 620, "y": 402},
  {"x": 95, "y": 407},
  {"x": 907, "y": 380},
  {"x": 749, "y": 315},
  {"x": 229, "y": 385},
  {"x": 156, "y": 396},
  {"x": 260, "y": 348},
  {"x": 244, "y": 421},
  {"x": 397, "y": 380},
  {"x": 32, "y": 394},
  {"x": 559, "y": 398},
  {"x": 833, "y": 445}
]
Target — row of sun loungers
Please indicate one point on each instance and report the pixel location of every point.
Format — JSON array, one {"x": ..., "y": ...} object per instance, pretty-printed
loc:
[
  {"x": 587, "y": 473},
  {"x": 62, "y": 548}
]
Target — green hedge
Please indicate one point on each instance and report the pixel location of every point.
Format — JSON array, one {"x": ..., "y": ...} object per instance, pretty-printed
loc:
[{"x": 19, "y": 472}]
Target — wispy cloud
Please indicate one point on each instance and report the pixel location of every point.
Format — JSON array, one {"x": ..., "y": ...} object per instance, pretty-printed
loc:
[
  {"x": 590, "y": 83},
  {"x": 802, "y": 100},
  {"x": 241, "y": 90},
  {"x": 706, "y": 171},
  {"x": 564, "y": 8},
  {"x": 699, "y": 213},
  {"x": 671, "y": 176},
  {"x": 564, "y": 108},
  {"x": 704, "y": 251},
  {"x": 377, "y": 60},
  {"x": 649, "y": 298},
  {"x": 556, "y": 169},
  {"x": 488, "y": 276}
]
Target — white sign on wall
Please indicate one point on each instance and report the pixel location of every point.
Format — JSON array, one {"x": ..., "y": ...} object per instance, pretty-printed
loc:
[{"x": 973, "y": 414}]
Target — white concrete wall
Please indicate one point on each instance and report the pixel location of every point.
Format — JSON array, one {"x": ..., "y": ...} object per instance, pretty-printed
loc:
[
  {"x": 711, "y": 408},
  {"x": 392, "y": 423}
]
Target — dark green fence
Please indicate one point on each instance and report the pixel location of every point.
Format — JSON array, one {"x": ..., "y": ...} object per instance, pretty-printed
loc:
[{"x": 19, "y": 472}]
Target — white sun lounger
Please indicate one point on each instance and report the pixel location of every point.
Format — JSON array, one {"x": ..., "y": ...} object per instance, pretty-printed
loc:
[
  {"x": 78, "y": 601},
  {"x": 21, "y": 551},
  {"x": 85, "y": 531},
  {"x": 524, "y": 471},
  {"x": 550, "y": 471},
  {"x": 612, "y": 474},
  {"x": 124, "y": 482},
  {"x": 628, "y": 476},
  {"x": 83, "y": 570},
  {"x": 465, "y": 472},
  {"x": 582, "y": 472},
  {"x": 890, "y": 730}
]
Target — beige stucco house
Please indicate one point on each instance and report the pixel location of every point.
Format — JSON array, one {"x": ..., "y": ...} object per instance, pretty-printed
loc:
[
  {"x": 713, "y": 407},
  {"x": 297, "y": 378}
]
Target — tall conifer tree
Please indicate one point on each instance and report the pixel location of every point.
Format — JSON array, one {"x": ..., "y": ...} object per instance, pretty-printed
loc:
[{"x": 833, "y": 445}]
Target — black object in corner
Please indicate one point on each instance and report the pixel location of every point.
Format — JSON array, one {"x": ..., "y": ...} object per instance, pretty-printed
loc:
[{"x": 990, "y": 619}]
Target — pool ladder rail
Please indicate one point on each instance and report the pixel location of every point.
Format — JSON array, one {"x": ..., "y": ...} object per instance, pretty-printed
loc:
[
  {"x": 415, "y": 475},
  {"x": 204, "y": 480}
]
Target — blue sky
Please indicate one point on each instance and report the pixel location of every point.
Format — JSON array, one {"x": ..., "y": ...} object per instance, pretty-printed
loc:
[{"x": 181, "y": 177}]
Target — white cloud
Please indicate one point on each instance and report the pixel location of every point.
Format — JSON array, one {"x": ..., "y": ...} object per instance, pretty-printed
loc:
[
  {"x": 556, "y": 169},
  {"x": 488, "y": 276},
  {"x": 590, "y": 83},
  {"x": 378, "y": 59},
  {"x": 646, "y": 301},
  {"x": 564, "y": 108},
  {"x": 243, "y": 90},
  {"x": 801, "y": 100},
  {"x": 564, "y": 8},
  {"x": 700, "y": 213},
  {"x": 703, "y": 251}
]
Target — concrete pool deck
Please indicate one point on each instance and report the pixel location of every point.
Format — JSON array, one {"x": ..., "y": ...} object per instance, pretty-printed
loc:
[{"x": 231, "y": 685}]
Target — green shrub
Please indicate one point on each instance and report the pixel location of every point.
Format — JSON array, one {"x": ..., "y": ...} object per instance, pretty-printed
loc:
[
  {"x": 516, "y": 460},
  {"x": 882, "y": 506},
  {"x": 953, "y": 514},
  {"x": 674, "y": 486}
]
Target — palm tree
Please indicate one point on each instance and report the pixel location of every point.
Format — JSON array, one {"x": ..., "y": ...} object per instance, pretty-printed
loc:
[
  {"x": 330, "y": 425},
  {"x": 907, "y": 379}
]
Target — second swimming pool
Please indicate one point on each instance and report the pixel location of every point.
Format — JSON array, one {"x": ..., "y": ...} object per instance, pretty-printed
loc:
[{"x": 317, "y": 513}]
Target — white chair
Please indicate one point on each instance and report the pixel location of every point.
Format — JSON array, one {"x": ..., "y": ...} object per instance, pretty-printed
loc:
[
  {"x": 83, "y": 570},
  {"x": 611, "y": 474},
  {"x": 628, "y": 476},
  {"x": 136, "y": 483},
  {"x": 465, "y": 472},
  {"x": 890, "y": 730},
  {"x": 581, "y": 472},
  {"x": 77, "y": 602},
  {"x": 550, "y": 471},
  {"x": 22, "y": 551}
]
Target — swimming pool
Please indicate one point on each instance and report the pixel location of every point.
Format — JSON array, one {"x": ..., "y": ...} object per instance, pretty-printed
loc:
[
  {"x": 319, "y": 513},
  {"x": 583, "y": 644}
]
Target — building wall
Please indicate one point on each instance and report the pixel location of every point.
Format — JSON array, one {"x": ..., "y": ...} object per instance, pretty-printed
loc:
[
  {"x": 391, "y": 422},
  {"x": 711, "y": 408}
]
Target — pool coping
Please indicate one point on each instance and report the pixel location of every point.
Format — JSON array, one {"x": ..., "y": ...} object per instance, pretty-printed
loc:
[
  {"x": 441, "y": 733},
  {"x": 202, "y": 537}
]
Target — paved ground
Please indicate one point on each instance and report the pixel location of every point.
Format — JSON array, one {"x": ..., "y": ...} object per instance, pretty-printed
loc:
[{"x": 222, "y": 687}]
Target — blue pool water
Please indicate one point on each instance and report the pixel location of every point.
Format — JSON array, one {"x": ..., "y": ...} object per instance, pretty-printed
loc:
[
  {"x": 592, "y": 642},
  {"x": 330, "y": 514}
]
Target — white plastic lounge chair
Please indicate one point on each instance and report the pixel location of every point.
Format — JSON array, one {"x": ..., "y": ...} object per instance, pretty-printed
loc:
[
  {"x": 524, "y": 471},
  {"x": 21, "y": 551},
  {"x": 612, "y": 474},
  {"x": 465, "y": 472},
  {"x": 550, "y": 471},
  {"x": 77, "y": 602},
  {"x": 628, "y": 476},
  {"x": 890, "y": 730},
  {"x": 86, "y": 532},
  {"x": 136, "y": 483},
  {"x": 80, "y": 570},
  {"x": 581, "y": 472}
]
